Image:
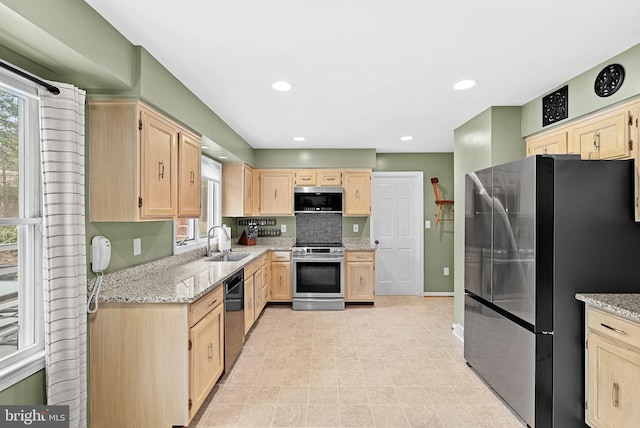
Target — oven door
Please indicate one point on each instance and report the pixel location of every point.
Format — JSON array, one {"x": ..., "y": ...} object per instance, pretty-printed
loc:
[{"x": 318, "y": 277}]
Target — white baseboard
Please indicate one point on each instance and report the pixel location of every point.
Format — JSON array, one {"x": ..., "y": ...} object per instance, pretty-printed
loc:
[
  {"x": 438, "y": 294},
  {"x": 458, "y": 331}
]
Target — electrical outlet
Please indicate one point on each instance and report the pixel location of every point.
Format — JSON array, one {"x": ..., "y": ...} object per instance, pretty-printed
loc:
[
  {"x": 283, "y": 228},
  {"x": 446, "y": 271},
  {"x": 355, "y": 227},
  {"x": 427, "y": 224},
  {"x": 137, "y": 247}
]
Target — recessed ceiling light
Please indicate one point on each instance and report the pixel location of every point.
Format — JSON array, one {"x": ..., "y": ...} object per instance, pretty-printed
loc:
[
  {"x": 299, "y": 138},
  {"x": 222, "y": 157},
  {"x": 281, "y": 86},
  {"x": 406, "y": 138},
  {"x": 465, "y": 84},
  {"x": 205, "y": 147}
]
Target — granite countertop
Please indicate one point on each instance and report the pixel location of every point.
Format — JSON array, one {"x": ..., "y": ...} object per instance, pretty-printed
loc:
[
  {"x": 358, "y": 244},
  {"x": 187, "y": 277},
  {"x": 626, "y": 305},
  {"x": 179, "y": 279}
]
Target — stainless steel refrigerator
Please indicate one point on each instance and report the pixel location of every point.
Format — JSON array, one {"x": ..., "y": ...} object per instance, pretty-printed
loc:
[{"x": 537, "y": 231}]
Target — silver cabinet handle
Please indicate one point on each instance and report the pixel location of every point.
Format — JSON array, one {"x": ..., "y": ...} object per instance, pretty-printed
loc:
[
  {"x": 614, "y": 394},
  {"x": 210, "y": 351},
  {"x": 613, "y": 329},
  {"x": 161, "y": 169},
  {"x": 193, "y": 177}
]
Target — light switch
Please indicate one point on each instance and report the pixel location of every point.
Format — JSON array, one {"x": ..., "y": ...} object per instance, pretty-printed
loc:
[
  {"x": 355, "y": 227},
  {"x": 137, "y": 247},
  {"x": 427, "y": 224},
  {"x": 446, "y": 271}
]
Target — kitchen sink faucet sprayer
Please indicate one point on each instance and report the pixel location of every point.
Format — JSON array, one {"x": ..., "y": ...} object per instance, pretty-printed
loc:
[{"x": 209, "y": 238}]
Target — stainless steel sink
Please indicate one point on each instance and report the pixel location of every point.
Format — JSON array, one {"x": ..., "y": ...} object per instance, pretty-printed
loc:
[{"x": 228, "y": 257}]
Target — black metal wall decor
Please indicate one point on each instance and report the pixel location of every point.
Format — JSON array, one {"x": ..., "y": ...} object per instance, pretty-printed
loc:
[
  {"x": 555, "y": 106},
  {"x": 609, "y": 80}
]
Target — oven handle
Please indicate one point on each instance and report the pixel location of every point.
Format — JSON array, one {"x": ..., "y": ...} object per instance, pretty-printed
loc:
[{"x": 319, "y": 259}]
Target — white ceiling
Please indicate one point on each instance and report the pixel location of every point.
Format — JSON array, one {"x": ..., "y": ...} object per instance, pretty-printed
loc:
[{"x": 367, "y": 72}]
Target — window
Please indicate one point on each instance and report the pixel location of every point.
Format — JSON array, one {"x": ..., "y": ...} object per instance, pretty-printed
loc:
[
  {"x": 21, "y": 307},
  {"x": 192, "y": 233}
]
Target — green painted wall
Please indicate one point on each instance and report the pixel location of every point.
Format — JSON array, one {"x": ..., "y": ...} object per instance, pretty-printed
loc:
[
  {"x": 582, "y": 98},
  {"x": 28, "y": 391},
  {"x": 490, "y": 138},
  {"x": 315, "y": 158},
  {"x": 438, "y": 241}
]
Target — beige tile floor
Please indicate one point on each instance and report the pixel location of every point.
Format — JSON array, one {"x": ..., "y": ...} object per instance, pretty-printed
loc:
[{"x": 395, "y": 364}]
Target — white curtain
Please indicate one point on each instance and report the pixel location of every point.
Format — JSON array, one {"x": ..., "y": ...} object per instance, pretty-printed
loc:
[{"x": 65, "y": 274}]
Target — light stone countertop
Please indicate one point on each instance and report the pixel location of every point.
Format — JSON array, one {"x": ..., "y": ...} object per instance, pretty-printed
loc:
[
  {"x": 626, "y": 305},
  {"x": 187, "y": 277},
  {"x": 358, "y": 244},
  {"x": 179, "y": 279}
]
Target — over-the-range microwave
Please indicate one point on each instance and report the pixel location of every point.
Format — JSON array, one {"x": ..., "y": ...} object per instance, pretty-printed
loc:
[{"x": 323, "y": 199}]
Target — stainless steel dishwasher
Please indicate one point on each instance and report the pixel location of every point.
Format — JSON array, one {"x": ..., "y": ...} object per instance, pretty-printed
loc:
[{"x": 233, "y": 318}]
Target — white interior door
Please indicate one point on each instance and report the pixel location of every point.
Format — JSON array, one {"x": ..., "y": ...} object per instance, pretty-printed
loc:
[{"x": 396, "y": 222}]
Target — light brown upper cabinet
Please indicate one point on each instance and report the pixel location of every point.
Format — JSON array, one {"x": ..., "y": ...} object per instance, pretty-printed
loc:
[
  {"x": 329, "y": 177},
  {"x": 318, "y": 177},
  {"x": 276, "y": 192},
  {"x": 550, "y": 143},
  {"x": 189, "y": 193},
  {"x": 603, "y": 136},
  {"x": 306, "y": 177},
  {"x": 357, "y": 192},
  {"x": 237, "y": 190},
  {"x": 134, "y": 157}
]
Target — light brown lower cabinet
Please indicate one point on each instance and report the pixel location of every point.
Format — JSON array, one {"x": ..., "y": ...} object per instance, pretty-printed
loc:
[
  {"x": 281, "y": 290},
  {"x": 153, "y": 365},
  {"x": 360, "y": 276},
  {"x": 613, "y": 371}
]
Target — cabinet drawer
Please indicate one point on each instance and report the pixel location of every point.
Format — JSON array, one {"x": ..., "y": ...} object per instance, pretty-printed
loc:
[
  {"x": 252, "y": 268},
  {"x": 614, "y": 327},
  {"x": 329, "y": 178},
  {"x": 280, "y": 256},
  {"x": 305, "y": 178},
  {"x": 359, "y": 256},
  {"x": 205, "y": 304}
]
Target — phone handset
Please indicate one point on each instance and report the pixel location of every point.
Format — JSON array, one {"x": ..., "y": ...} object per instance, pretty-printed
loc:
[{"x": 100, "y": 257}]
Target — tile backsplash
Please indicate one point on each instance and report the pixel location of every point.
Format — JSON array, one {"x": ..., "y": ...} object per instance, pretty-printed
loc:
[{"x": 318, "y": 228}]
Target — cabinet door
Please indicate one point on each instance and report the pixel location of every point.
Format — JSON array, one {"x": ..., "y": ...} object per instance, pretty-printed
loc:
[
  {"x": 606, "y": 137},
  {"x": 249, "y": 315},
  {"x": 281, "y": 281},
  {"x": 266, "y": 279},
  {"x": 257, "y": 294},
  {"x": 247, "y": 191},
  {"x": 613, "y": 384},
  {"x": 357, "y": 193},
  {"x": 189, "y": 194},
  {"x": 553, "y": 144},
  {"x": 306, "y": 178},
  {"x": 206, "y": 356},
  {"x": 159, "y": 167},
  {"x": 276, "y": 193},
  {"x": 360, "y": 281}
]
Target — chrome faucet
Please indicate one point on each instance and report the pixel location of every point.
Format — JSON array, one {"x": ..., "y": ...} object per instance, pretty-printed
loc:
[{"x": 209, "y": 238}]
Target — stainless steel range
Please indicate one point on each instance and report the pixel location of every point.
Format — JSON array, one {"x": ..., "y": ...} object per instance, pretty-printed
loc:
[{"x": 318, "y": 276}]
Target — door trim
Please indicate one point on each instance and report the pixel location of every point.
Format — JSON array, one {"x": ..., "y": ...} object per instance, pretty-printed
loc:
[{"x": 417, "y": 176}]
